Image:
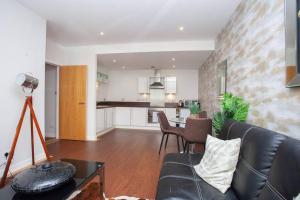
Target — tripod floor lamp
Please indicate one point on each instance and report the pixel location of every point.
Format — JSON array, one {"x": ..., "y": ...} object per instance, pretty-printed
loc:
[{"x": 29, "y": 84}]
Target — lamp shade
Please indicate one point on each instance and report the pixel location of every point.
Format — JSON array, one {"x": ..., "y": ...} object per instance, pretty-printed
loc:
[{"x": 27, "y": 81}]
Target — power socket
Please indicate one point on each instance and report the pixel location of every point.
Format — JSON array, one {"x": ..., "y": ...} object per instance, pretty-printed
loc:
[{"x": 6, "y": 155}]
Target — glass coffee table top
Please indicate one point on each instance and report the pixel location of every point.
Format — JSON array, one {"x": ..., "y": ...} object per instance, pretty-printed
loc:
[{"x": 85, "y": 171}]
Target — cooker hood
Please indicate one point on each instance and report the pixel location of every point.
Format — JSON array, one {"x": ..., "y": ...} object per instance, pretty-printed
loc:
[{"x": 157, "y": 82}]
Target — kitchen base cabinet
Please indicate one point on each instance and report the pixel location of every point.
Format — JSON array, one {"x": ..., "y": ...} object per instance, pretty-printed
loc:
[
  {"x": 139, "y": 117},
  {"x": 104, "y": 120},
  {"x": 100, "y": 120},
  {"x": 130, "y": 118},
  {"x": 122, "y": 116},
  {"x": 154, "y": 125},
  {"x": 108, "y": 118}
]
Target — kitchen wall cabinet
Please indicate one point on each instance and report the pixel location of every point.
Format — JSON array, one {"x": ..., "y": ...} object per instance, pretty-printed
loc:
[
  {"x": 143, "y": 85},
  {"x": 104, "y": 119},
  {"x": 122, "y": 116},
  {"x": 139, "y": 117},
  {"x": 102, "y": 78},
  {"x": 108, "y": 118},
  {"x": 170, "y": 85}
]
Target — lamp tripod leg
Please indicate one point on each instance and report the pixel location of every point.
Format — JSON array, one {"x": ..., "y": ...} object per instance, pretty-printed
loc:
[
  {"x": 13, "y": 146},
  {"x": 32, "y": 137},
  {"x": 38, "y": 130}
]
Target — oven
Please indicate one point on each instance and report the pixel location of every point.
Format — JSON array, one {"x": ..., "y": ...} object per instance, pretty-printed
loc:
[{"x": 152, "y": 115}]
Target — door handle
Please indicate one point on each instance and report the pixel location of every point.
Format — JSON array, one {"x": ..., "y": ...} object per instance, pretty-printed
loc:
[{"x": 81, "y": 103}]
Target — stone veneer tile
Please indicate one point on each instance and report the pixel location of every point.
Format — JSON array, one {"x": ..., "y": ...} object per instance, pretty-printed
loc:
[{"x": 253, "y": 42}]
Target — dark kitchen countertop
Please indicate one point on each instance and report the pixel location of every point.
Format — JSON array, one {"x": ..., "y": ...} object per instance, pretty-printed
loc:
[
  {"x": 107, "y": 104},
  {"x": 102, "y": 107}
]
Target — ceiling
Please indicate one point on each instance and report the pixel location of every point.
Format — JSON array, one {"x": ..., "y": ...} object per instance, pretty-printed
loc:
[
  {"x": 161, "y": 60},
  {"x": 80, "y": 22}
]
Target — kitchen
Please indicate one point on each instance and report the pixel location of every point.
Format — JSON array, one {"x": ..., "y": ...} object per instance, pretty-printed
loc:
[{"x": 133, "y": 87}]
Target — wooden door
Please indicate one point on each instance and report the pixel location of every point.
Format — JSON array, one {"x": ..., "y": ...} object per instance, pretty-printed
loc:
[{"x": 72, "y": 102}]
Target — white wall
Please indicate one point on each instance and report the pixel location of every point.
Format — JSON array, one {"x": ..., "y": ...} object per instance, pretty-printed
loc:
[
  {"x": 22, "y": 49},
  {"x": 60, "y": 55},
  {"x": 55, "y": 53},
  {"x": 50, "y": 101},
  {"x": 123, "y": 84},
  {"x": 77, "y": 56}
]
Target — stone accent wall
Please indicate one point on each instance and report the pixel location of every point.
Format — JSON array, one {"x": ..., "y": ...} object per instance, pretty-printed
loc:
[{"x": 253, "y": 42}]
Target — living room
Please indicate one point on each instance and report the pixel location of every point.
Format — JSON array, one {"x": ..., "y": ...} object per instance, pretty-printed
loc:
[{"x": 107, "y": 83}]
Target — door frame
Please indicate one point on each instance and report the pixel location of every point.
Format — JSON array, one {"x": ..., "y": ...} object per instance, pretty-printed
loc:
[{"x": 57, "y": 97}]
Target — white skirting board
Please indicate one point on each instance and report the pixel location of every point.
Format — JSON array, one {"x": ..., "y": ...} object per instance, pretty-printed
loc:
[
  {"x": 16, "y": 167},
  {"x": 128, "y": 127},
  {"x": 104, "y": 132},
  {"x": 139, "y": 127}
]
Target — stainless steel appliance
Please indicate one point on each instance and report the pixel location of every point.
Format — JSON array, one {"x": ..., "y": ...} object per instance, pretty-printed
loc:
[
  {"x": 157, "y": 82},
  {"x": 152, "y": 115}
]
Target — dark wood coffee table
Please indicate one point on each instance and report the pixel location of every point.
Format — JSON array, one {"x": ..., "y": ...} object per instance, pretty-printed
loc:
[{"x": 85, "y": 172}]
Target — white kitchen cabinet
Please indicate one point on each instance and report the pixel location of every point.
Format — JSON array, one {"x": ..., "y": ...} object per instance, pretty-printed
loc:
[
  {"x": 170, "y": 85},
  {"x": 122, "y": 116},
  {"x": 171, "y": 113},
  {"x": 184, "y": 113},
  {"x": 143, "y": 85},
  {"x": 100, "y": 119},
  {"x": 139, "y": 117},
  {"x": 108, "y": 118}
]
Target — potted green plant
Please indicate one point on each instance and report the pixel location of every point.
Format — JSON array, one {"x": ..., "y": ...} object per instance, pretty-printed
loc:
[
  {"x": 194, "y": 110},
  {"x": 232, "y": 107}
]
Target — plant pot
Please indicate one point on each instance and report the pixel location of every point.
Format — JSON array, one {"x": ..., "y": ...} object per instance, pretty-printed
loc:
[{"x": 194, "y": 115}]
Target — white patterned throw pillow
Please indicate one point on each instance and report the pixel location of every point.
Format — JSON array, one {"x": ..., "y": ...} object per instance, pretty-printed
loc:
[{"x": 219, "y": 162}]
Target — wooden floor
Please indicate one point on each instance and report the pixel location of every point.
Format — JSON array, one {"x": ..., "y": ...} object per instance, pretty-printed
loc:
[{"x": 131, "y": 159}]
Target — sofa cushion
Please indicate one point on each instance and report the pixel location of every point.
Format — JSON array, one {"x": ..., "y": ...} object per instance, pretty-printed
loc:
[
  {"x": 258, "y": 149},
  {"x": 179, "y": 165},
  {"x": 177, "y": 188},
  {"x": 178, "y": 180},
  {"x": 180, "y": 188},
  {"x": 284, "y": 177},
  {"x": 192, "y": 159},
  {"x": 233, "y": 129},
  {"x": 219, "y": 162}
]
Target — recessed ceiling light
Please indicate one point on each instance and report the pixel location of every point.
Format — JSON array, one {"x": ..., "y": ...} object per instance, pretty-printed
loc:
[
  {"x": 123, "y": 67},
  {"x": 174, "y": 66},
  {"x": 101, "y": 33},
  {"x": 181, "y": 28},
  {"x": 114, "y": 61},
  {"x": 173, "y": 59}
]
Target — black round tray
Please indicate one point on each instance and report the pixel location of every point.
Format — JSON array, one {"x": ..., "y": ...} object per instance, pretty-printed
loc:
[{"x": 43, "y": 177}]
